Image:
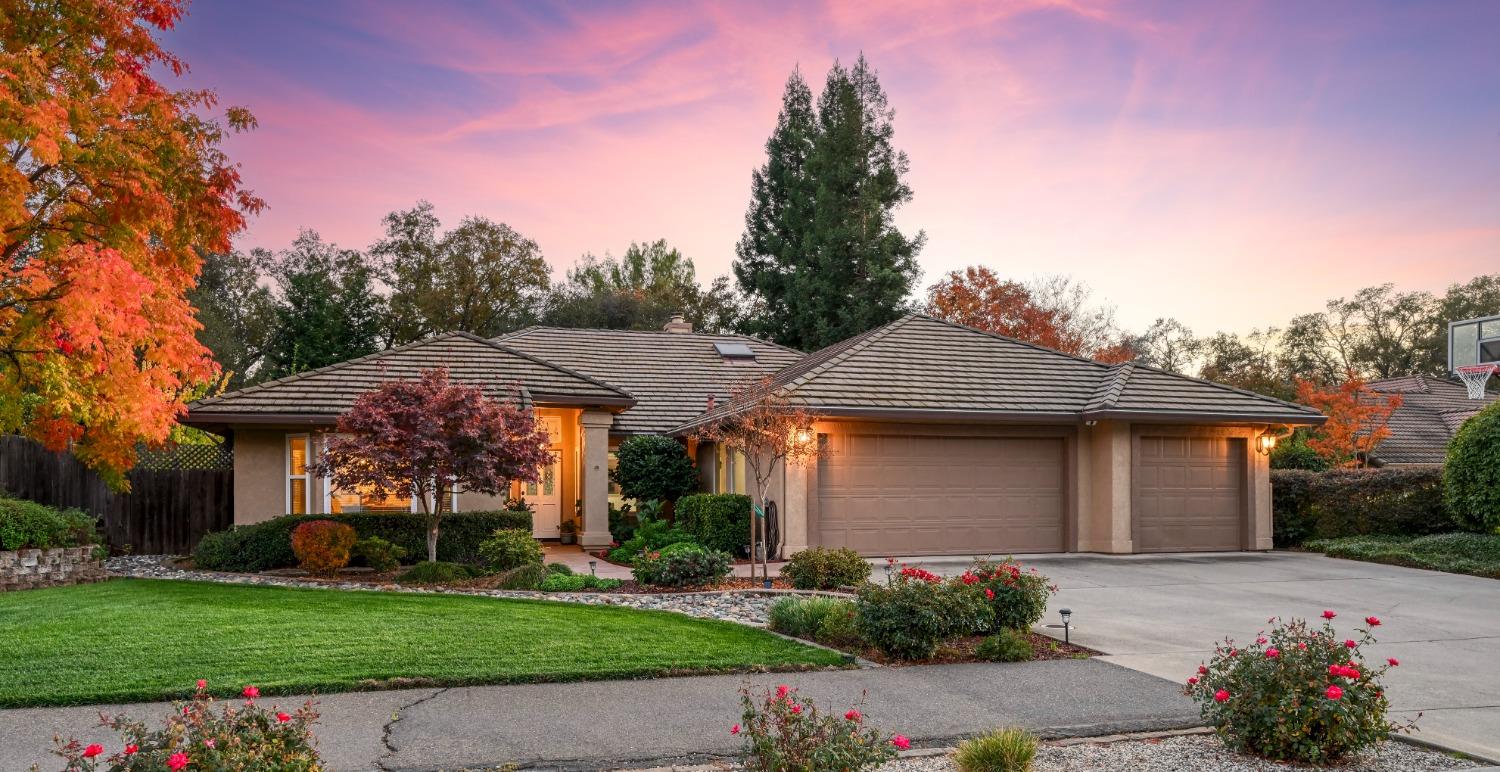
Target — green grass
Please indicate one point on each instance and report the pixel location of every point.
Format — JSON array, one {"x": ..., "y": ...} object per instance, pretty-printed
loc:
[
  {"x": 1457, "y": 553},
  {"x": 130, "y": 640}
]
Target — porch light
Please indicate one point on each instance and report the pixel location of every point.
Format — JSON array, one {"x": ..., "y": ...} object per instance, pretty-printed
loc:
[
  {"x": 804, "y": 435},
  {"x": 1265, "y": 443}
]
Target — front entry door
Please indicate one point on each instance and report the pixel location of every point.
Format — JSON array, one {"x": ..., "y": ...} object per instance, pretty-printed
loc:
[{"x": 545, "y": 498}]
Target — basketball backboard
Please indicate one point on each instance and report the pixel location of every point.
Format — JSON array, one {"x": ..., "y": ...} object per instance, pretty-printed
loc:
[{"x": 1473, "y": 342}]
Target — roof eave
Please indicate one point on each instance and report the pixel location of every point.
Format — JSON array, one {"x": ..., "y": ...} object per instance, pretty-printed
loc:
[{"x": 1204, "y": 416}]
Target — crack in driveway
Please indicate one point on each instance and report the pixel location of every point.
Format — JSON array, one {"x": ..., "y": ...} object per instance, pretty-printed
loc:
[{"x": 385, "y": 731}]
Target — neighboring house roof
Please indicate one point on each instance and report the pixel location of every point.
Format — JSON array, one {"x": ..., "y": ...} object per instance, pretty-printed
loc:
[
  {"x": 920, "y": 367},
  {"x": 671, "y": 374},
  {"x": 319, "y": 396},
  {"x": 1431, "y": 411}
]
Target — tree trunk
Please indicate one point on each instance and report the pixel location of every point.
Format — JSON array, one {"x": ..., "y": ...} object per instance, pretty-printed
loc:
[{"x": 432, "y": 534}]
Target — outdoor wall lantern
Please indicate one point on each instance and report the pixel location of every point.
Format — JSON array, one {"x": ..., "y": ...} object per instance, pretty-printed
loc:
[
  {"x": 1266, "y": 443},
  {"x": 804, "y": 435}
]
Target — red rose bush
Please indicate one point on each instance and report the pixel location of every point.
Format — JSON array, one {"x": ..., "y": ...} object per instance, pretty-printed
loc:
[
  {"x": 1297, "y": 693},
  {"x": 784, "y": 732},
  {"x": 196, "y": 737}
]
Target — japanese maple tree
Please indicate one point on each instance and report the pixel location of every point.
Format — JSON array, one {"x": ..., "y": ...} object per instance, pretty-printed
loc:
[
  {"x": 425, "y": 437},
  {"x": 109, "y": 185},
  {"x": 1357, "y": 418},
  {"x": 769, "y": 431}
]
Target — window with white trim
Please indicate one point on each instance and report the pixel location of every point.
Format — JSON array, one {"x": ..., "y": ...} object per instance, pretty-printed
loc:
[{"x": 298, "y": 484}]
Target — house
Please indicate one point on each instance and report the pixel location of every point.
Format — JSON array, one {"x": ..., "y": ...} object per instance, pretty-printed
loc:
[
  {"x": 1431, "y": 411},
  {"x": 942, "y": 439}
]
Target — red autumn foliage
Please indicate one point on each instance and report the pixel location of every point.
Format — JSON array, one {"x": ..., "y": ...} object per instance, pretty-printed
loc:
[
  {"x": 1357, "y": 419},
  {"x": 322, "y": 546},
  {"x": 977, "y": 297},
  {"x": 427, "y": 436}
]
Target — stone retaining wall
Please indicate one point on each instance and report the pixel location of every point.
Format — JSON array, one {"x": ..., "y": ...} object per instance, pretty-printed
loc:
[{"x": 29, "y": 569}]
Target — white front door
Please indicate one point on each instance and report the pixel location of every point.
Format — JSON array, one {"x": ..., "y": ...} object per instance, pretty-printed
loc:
[{"x": 545, "y": 498}]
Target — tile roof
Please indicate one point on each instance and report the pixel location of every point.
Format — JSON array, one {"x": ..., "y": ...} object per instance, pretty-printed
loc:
[
  {"x": 671, "y": 374},
  {"x": 927, "y": 367},
  {"x": 326, "y": 392},
  {"x": 1431, "y": 411}
]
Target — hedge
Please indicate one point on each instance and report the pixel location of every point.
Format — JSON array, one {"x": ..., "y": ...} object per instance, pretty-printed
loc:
[
  {"x": 1357, "y": 502},
  {"x": 268, "y": 545},
  {"x": 29, "y": 525},
  {"x": 1472, "y": 474},
  {"x": 719, "y": 521}
]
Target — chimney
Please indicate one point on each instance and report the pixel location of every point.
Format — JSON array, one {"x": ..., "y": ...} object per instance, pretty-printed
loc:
[{"x": 678, "y": 324}]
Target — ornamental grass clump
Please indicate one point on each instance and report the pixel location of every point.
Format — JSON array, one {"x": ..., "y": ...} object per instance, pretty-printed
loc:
[
  {"x": 323, "y": 547},
  {"x": 1297, "y": 693},
  {"x": 1003, "y": 750},
  {"x": 784, "y": 732},
  {"x": 195, "y": 736}
]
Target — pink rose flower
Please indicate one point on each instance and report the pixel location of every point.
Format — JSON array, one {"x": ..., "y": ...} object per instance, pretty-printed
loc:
[
  {"x": 796, "y": 708},
  {"x": 1393, "y": 661},
  {"x": 900, "y": 742},
  {"x": 1221, "y": 695},
  {"x": 1202, "y": 670},
  {"x": 852, "y": 715},
  {"x": 988, "y": 593},
  {"x": 251, "y": 692},
  {"x": 282, "y": 718},
  {"x": 131, "y": 749},
  {"x": 93, "y": 750},
  {"x": 1350, "y": 644},
  {"x": 781, "y": 691},
  {"x": 1329, "y": 615},
  {"x": 1261, "y": 640},
  {"x": 1273, "y": 653},
  {"x": 177, "y": 761},
  {"x": 202, "y": 683},
  {"x": 1193, "y": 681},
  {"x": 1302, "y": 645},
  {"x": 1333, "y": 692},
  {"x": 1372, "y": 621},
  {"x": 1335, "y": 669},
  {"x": 734, "y": 729}
]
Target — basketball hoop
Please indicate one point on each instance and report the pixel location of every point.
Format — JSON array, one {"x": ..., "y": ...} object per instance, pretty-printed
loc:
[{"x": 1474, "y": 377}]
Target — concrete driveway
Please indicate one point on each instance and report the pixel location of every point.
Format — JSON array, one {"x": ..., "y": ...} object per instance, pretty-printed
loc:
[{"x": 1160, "y": 614}]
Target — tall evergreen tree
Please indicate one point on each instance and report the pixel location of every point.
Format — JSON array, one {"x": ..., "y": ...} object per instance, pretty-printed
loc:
[
  {"x": 327, "y": 309},
  {"x": 771, "y": 259},
  {"x": 237, "y": 314},
  {"x": 821, "y": 258}
]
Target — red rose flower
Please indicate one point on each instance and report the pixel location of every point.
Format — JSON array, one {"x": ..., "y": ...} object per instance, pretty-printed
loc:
[
  {"x": 1273, "y": 653},
  {"x": 131, "y": 749},
  {"x": 1350, "y": 644},
  {"x": 1333, "y": 692},
  {"x": 251, "y": 692},
  {"x": 852, "y": 715},
  {"x": 202, "y": 683},
  {"x": 1329, "y": 615},
  {"x": 1202, "y": 670},
  {"x": 900, "y": 742},
  {"x": 988, "y": 593},
  {"x": 283, "y": 718},
  {"x": 734, "y": 729},
  {"x": 1221, "y": 695},
  {"x": 1393, "y": 661},
  {"x": 1335, "y": 669},
  {"x": 1372, "y": 621},
  {"x": 781, "y": 691},
  {"x": 796, "y": 708},
  {"x": 177, "y": 761},
  {"x": 93, "y": 750},
  {"x": 1302, "y": 645}
]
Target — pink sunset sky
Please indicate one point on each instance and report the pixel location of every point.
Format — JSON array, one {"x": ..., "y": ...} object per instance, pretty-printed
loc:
[{"x": 1228, "y": 164}]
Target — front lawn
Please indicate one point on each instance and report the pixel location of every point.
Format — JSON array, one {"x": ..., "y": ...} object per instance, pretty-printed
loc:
[
  {"x": 142, "y": 639},
  {"x": 1457, "y": 553}
]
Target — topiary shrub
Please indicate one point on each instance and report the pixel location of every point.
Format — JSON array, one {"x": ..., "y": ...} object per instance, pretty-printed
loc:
[
  {"x": 686, "y": 568},
  {"x": 577, "y": 583},
  {"x": 654, "y": 468},
  {"x": 29, "y": 525},
  {"x": 510, "y": 548},
  {"x": 820, "y": 568},
  {"x": 322, "y": 546},
  {"x": 1471, "y": 476},
  {"x": 1007, "y": 645},
  {"x": 1018, "y": 597},
  {"x": 1003, "y": 750},
  {"x": 1297, "y": 693},
  {"x": 379, "y": 554},
  {"x": 719, "y": 521},
  {"x": 915, "y": 611},
  {"x": 435, "y": 573}
]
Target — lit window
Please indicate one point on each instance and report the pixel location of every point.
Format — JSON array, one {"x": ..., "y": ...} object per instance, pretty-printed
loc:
[
  {"x": 363, "y": 499},
  {"x": 297, "y": 492}
]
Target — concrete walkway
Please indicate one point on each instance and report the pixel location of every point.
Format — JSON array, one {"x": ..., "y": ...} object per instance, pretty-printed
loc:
[
  {"x": 1160, "y": 614},
  {"x": 601, "y": 725}
]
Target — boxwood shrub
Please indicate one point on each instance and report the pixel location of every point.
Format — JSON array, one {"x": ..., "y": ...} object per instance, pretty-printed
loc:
[
  {"x": 684, "y": 568},
  {"x": 29, "y": 525},
  {"x": 820, "y": 568},
  {"x": 268, "y": 545},
  {"x": 719, "y": 521},
  {"x": 1472, "y": 474},
  {"x": 1357, "y": 502}
]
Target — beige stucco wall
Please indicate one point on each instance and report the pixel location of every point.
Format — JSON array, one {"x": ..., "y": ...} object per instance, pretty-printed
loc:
[{"x": 1103, "y": 490}]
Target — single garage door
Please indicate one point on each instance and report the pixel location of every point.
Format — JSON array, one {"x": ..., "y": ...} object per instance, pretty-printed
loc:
[
  {"x": 1189, "y": 494},
  {"x": 889, "y": 494}
]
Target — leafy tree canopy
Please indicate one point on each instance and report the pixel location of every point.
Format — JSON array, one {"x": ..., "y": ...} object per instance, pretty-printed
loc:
[
  {"x": 654, "y": 468},
  {"x": 640, "y": 290},
  {"x": 1052, "y": 311},
  {"x": 238, "y": 315},
  {"x": 111, "y": 183},
  {"x": 326, "y": 306}
]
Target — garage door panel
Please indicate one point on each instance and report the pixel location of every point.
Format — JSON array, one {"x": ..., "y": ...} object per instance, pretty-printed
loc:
[
  {"x": 1189, "y": 494},
  {"x": 908, "y": 494}
]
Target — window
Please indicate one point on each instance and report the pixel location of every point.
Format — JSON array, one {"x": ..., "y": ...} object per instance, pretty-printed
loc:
[
  {"x": 298, "y": 491},
  {"x": 363, "y": 499},
  {"x": 732, "y": 468}
]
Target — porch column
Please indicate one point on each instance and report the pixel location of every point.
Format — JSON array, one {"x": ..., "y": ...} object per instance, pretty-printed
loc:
[
  {"x": 594, "y": 425},
  {"x": 794, "y": 509}
]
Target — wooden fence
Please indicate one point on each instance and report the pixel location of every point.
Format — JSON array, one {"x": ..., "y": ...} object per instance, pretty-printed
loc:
[{"x": 175, "y": 496}]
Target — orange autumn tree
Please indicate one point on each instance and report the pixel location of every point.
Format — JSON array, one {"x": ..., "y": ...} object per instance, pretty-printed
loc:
[
  {"x": 976, "y": 297},
  {"x": 110, "y": 185},
  {"x": 1357, "y": 419}
]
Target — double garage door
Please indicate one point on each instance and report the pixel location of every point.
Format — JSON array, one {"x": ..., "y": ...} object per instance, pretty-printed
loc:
[
  {"x": 908, "y": 494},
  {"x": 887, "y": 494}
]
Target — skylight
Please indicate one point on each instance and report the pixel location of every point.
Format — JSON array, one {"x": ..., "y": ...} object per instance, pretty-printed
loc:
[{"x": 733, "y": 349}]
